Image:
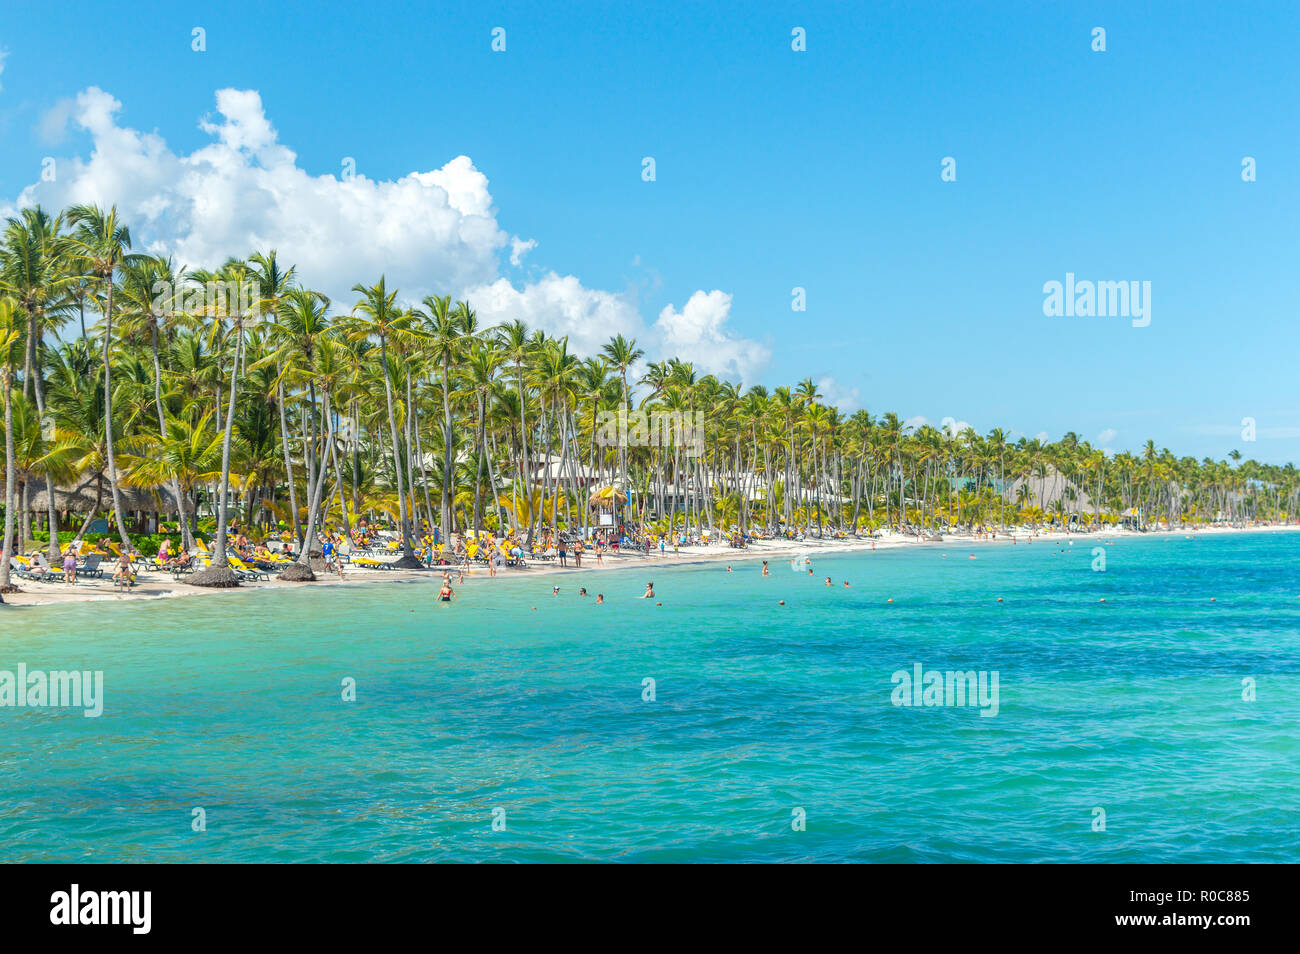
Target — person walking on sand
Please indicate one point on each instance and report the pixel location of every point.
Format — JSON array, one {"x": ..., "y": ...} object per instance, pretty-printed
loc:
[
  {"x": 70, "y": 568},
  {"x": 564, "y": 553}
]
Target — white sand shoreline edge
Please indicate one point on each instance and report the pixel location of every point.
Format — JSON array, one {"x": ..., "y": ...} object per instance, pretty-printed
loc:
[{"x": 157, "y": 586}]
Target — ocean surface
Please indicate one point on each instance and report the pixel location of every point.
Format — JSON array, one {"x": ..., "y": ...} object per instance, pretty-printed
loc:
[{"x": 487, "y": 730}]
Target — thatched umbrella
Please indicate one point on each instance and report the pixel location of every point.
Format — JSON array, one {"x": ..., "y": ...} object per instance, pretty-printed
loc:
[{"x": 82, "y": 497}]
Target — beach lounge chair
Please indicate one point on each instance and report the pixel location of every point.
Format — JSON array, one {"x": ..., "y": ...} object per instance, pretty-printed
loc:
[
  {"x": 91, "y": 566},
  {"x": 245, "y": 571}
]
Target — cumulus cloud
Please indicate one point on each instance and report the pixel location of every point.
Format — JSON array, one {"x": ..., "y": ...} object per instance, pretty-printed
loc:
[
  {"x": 561, "y": 305},
  {"x": 519, "y": 248},
  {"x": 953, "y": 426},
  {"x": 1105, "y": 438},
  {"x": 836, "y": 395},
  {"x": 947, "y": 425},
  {"x": 53, "y": 125},
  {"x": 427, "y": 232},
  {"x": 699, "y": 333},
  {"x": 4, "y": 55}
]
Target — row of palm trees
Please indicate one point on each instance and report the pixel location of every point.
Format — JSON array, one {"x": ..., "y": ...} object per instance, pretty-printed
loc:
[{"x": 240, "y": 394}]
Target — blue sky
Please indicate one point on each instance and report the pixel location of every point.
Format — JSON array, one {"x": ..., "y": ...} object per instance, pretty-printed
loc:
[{"x": 774, "y": 169}]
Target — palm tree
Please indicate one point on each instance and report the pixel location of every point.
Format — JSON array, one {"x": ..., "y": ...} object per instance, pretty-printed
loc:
[
  {"x": 622, "y": 354},
  {"x": 10, "y": 344},
  {"x": 234, "y": 275},
  {"x": 446, "y": 327},
  {"x": 35, "y": 270},
  {"x": 379, "y": 317},
  {"x": 153, "y": 290},
  {"x": 274, "y": 283},
  {"x": 100, "y": 242}
]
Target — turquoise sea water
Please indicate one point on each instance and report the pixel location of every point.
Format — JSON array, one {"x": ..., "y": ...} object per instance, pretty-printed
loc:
[{"x": 233, "y": 703}]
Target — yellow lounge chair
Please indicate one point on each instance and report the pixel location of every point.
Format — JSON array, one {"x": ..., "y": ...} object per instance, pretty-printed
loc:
[{"x": 239, "y": 566}]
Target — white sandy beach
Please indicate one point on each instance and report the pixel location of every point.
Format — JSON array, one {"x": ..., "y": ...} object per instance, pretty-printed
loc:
[{"x": 152, "y": 586}]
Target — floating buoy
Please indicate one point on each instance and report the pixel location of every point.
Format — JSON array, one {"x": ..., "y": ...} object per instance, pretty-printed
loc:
[
  {"x": 890, "y": 600},
  {"x": 999, "y": 599},
  {"x": 1212, "y": 599},
  {"x": 1102, "y": 600},
  {"x": 781, "y": 603}
]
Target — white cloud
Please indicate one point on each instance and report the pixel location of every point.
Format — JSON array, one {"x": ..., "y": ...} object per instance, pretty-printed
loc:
[
  {"x": 560, "y": 305},
  {"x": 519, "y": 248},
  {"x": 954, "y": 426},
  {"x": 4, "y": 55},
  {"x": 427, "y": 232},
  {"x": 1107, "y": 436},
  {"x": 244, "y": 191},
  {"x": 946, "y": 425},
  {"x": 836, "y": 395},
  {"x": 1042, "y": 436},
  {"x": 698, "y": 333},
  {"x": 53, "y": 125}
]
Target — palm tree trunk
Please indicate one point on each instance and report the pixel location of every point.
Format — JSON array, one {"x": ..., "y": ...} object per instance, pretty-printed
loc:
[
  {"x": 447, "y": 478},
  {"x": 408, "y": 554},
  {"x": 288, "y": 462},
  {"x": 173, "y": 485},
  {"x": 6, "y": 545},
  {"x": 108, "y": 417}
]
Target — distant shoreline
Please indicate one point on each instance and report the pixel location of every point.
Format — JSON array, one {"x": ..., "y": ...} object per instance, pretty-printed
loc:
[{"x": 154, "y": 586}]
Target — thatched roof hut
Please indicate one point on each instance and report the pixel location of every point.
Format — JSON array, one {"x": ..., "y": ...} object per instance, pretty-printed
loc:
[{"x": 80, "y": 497}]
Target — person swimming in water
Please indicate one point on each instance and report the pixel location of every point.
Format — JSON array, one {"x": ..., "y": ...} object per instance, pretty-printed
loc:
[
  {"x": 828, "y": 581},
  {"x": 446, "y": 594},
  {"x": 582, "y": 591},
  {"x": 600, "y": 598},
  {"x": 649, "y": 593},
  {"x": 765, "y": 573},
  {"x": 555, "y": 591}
]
